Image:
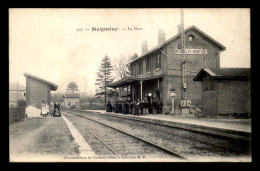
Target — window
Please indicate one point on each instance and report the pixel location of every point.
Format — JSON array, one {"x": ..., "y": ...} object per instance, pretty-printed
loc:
[
  {"x": 158, "y": 61},
  {"x": 68, "y": 103},
  {"x": 140, "y": 68},
  {"x": 191, "y": 38},
  {"x": 179, "y": 45},
  {"x": 148, "y": 64},
  {"x": 208, "y": 84},
  {"x": 133, "y": 71}
]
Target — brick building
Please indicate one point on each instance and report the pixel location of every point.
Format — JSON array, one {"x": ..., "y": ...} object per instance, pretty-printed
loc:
[
  {"x": 37, "y": 90},
  {"x": 160, "y": 69},
  {"x": 71, "y": 99},
  {"x": 225, "y": 90}
]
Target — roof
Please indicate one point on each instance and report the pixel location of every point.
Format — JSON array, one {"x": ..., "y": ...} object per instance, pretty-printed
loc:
[
  {"x": 227, "y": 73},
  {"x": 177, "y": 36},
  {"x": 53, "y": 86},
  {"x": 71, "y": 95},
  {"x": 13, "y": 97},
  {"x": 130, "y": 79},
  {"x": 13, "y": 86},
  {"x": 122, "y": 82}
]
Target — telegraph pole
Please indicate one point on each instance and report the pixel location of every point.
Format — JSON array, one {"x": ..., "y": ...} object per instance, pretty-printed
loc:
[{"x": 184, "y": 86}]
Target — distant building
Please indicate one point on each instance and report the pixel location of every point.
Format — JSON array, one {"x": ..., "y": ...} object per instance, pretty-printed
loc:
[
  {"x": 38, "y": 90},
  {"x": 71, "y": 99},
  {"x": 15, "y": 89},
  {"x": 225, "y": 90}
]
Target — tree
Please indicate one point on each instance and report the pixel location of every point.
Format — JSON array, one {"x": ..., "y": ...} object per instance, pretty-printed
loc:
[
  {"x": 72, "y": 86},
  {"x": 57, "y": 97},
  {"x": 134, "y": 56},
  {"x": 122, "y": 66},
  {"x": 104, "y": 78}
]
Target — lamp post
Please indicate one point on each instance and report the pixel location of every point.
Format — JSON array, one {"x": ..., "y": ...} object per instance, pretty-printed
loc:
[{"x": 172, "y": 94}]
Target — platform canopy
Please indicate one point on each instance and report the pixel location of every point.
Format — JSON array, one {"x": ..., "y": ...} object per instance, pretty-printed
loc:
[
  {"x": 131, "y": 80},
  {"x": 122, "y": 82}
]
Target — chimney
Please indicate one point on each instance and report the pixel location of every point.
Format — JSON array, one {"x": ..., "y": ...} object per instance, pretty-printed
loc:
[
  {"x": 144, "y": 47},
  {"x": 179, "y": 28},
  {"x": 161, "y": 37}
]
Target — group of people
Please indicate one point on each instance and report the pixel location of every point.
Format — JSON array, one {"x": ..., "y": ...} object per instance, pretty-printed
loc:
[
  {"x": 56, "y": 108},
  {"x": 139, "y": 107},
  {"x": 45, "y": 109}
]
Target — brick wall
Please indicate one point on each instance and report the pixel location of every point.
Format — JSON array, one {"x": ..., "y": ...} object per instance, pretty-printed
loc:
[
  {"x": 228, "y": 97},
  {"x": 16, "y": 114},
  {"x": 36, "y": 92},
  {"x": 193, "y": 91},
  {"x": 194, "y": 62},
  {"x": 209, "y": 99},
  {"x": 233, "y": 97}
]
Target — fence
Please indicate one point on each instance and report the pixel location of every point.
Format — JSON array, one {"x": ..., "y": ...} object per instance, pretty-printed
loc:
[{"x": 16, "y": 114}]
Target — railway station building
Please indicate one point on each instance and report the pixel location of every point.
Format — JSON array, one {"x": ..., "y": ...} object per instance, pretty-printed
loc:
[
  {"x": 159, "y": 70},
  {"x": 38, "y": 90}
]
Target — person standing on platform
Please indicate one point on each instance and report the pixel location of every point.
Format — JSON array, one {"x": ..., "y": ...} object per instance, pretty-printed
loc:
[
  {"x": 55, "y": 107},
  {"x": 131, "y": 106},
  {"x": 160, "y": 105},
  {"x": 58, "y": 106},
  {"x": 154, "y": 106},
  {"x": 146, "y": 106},
  {"x": 127, "y": 106},
  {"x": 44, "y": 110},
  {"x": 141, "y": 107},
  {"x": 138, "y": 111},
  {"x": 120, "y": 106},
  {"x": 109, "y": 107},
  {"x": 123, "y": 107}
]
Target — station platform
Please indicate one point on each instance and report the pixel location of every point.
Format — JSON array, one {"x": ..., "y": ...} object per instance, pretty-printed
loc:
[{"x": 236, "y": 128}]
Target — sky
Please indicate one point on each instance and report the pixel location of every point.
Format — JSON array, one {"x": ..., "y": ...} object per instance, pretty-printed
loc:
[{"x": 48, "y": 43}]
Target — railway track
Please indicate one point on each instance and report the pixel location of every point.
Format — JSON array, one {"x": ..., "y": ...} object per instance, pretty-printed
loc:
[
  {"x": 207, "y": 138},
  {"x": 113, "y": 146},
  {"x": 165, "y": 132}
]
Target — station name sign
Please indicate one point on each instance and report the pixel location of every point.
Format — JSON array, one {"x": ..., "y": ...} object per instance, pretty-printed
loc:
[{"x": 192, "y": 51}]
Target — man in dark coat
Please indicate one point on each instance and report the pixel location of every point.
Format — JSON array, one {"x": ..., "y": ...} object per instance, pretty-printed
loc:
[
  {"x": 58, "y": 106},
  {"x": 123, "y": 107},
  {"x": 109, "y": 107},
  {"x": 120, "y": 106},
  {"x": 154, "y": 106},
  {"x": 127, "y": 107},
  {"x": 116, "y": 107},
  {"x": 137, "y": 107},
  {"x": 160, "y": 105},
  {"x": 134, "y": 108},
  {"x": 141, "y": 107},
  {"x": 146, "y": 106},
  {"x": 130, "y": 104},
  {"x": 55, "y": 107}
]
